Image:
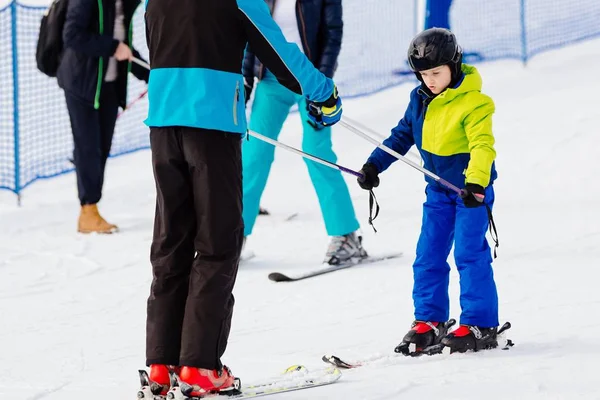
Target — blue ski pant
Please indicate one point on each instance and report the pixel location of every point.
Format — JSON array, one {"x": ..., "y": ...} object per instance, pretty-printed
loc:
[
  {"x": 446, "y": 221},
  {"x": 272, "y": 104}
]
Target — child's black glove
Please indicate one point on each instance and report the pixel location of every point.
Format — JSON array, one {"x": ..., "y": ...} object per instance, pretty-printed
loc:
[
  {"x": 473, "y": 195},
  {"x": 369, "y": 178}
]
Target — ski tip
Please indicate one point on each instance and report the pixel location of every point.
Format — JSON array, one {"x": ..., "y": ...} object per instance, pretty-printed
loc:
[
  {"x": 337, "y": 362},
  {"x": 279, "y": 277}
]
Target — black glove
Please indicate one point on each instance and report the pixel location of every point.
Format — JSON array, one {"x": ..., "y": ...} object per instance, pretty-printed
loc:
[
  {"x": 248, "y": 86},
  {"x": 369, "y": 178},
  {"x": 473, "y": 195}
]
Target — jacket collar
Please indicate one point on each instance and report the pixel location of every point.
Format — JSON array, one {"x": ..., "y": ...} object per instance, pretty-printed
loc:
[{"x": 470, "y": 82}]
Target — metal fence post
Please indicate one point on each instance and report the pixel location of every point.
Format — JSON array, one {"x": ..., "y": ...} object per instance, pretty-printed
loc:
[
  {"x": 15, "y": 73},
  {"x": 524, "y": 53}
]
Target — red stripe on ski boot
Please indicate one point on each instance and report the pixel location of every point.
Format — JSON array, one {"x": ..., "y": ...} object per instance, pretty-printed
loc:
[
  {"x": 462, "y": 331},
  {"x": 423, "y": 327}
]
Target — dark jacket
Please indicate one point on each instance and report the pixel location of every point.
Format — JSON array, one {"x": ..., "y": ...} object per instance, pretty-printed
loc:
[
  {"x": 320, "y": 26},
  {"x": 89, "y": 43},
  {"x": 196, "y": 53}
]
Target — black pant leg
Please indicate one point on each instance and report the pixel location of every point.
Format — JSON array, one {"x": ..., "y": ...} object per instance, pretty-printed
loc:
[
  {"x": 109, "y": 108},
  {"x": 87, "y": 152},
  {"x": 214, "y": 158},
  {"x": 172, "y": 251}
]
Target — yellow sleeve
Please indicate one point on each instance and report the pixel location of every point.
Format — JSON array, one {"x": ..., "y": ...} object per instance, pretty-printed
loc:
[{"x": 478, "y": 128}]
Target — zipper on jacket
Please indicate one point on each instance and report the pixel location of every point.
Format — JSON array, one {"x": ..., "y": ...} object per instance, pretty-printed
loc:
[
  {"x": 236, "y": 99},
  {"x": 426, "y": 103},
  {"x": 303, "y": 33},
  {"x": 101, "y": 60}
]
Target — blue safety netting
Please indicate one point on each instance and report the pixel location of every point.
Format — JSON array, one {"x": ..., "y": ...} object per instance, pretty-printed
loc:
[{"x": 35, "y": 135}]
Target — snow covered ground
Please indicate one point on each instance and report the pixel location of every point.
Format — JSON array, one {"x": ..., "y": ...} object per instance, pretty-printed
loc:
[{"x": 72, "y": 308}]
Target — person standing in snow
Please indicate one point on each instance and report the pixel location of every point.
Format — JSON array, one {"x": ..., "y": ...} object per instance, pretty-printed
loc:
[
  {"x": 450, "y": 122},
  {"x": 316, "y": 27},
  {"x": 93, "y": 72},
  {"x": 197, "y": 120}
]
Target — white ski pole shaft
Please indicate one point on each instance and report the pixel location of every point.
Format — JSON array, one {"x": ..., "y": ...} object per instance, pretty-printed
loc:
[
  {"x": 141, "y": 63},
  {"x": 399, "y": 156},
  {"x": 362, "y": 127},
  {"x": 303, "y": 154}
]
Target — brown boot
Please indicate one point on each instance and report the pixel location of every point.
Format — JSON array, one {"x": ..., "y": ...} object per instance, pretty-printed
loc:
[{"x": 90, "y": 221}]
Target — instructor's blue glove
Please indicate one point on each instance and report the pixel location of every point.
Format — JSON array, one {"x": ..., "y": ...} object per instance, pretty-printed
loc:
[{"x": 326, "y": 113}]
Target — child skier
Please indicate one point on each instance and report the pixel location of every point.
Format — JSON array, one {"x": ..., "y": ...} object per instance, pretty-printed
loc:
[{"x": 450, "y": 121}]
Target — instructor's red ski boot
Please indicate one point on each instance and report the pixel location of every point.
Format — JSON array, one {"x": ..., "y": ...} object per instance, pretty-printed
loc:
[
  {"x": 157, "y": 383},
  {"x": 197, "y": 382}
]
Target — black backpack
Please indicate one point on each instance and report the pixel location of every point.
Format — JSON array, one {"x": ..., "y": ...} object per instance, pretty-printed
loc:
[{"x": 50, "y": 44}]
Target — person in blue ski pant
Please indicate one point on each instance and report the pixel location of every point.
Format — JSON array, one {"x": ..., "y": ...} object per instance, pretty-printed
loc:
[
  {"x": 316, "y": 27},
  {"x": 450, "y": 122}
]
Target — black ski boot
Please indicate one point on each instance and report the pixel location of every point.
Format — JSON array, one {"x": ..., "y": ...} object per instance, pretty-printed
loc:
[
  {"x": 424, "y": 338},
  {"x": 468, "y": 337}
]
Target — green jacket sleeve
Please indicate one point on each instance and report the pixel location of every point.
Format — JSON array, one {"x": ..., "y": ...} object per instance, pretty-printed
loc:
[{"x": 478, "y": 127}]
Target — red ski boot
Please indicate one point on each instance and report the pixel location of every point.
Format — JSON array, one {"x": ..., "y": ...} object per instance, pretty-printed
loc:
[
  {"x": 423, "y": 336},
  {"x": 196, "y": 382},
  {"x": 157, "y": 383},
  {"x": 468, "y": 337}
]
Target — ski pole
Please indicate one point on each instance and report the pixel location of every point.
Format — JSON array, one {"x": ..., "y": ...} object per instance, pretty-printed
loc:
[
  {"x": 372, "y": 198},
  {"x": 400, "y": 157},
  {"x": 364, "y": 128},
  {"x": 492, "y": 225},
  {"x": 140, "y": 96},
  {"x": 141, "y": 63},
  {"x": 415, "y": 158},
  {"x": 304, "y": 154}
]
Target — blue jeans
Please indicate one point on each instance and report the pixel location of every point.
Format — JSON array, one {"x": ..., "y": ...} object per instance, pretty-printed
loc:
[
  {"x": 272, "y": 104},
  {"x": 447, "y": 220}
]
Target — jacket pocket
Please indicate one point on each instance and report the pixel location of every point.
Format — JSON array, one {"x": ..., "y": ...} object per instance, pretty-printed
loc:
[{"x": 236, "y": 99}]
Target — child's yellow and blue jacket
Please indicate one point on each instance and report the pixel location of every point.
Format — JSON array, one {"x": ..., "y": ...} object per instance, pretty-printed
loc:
[{"x": 453, "y": 132}]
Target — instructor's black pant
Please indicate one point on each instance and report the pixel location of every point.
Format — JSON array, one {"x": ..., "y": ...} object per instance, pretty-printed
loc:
[
  {"x": 198, "y": 235},
  {"x": 92, "y": 137}
]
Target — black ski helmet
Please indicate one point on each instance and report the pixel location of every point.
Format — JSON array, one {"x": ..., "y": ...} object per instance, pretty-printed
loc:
[{"x": 434, "y": 47}]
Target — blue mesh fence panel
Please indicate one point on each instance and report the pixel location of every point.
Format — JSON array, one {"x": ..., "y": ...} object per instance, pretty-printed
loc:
[
  {"x": 373, "y": 57},
  {"x": 372, "y": 52},
  {"x": 487, "y": 29},
  {"x": 556, "y": 23},
  {"x": 45, "y": 141},
  {"x": 7, "y": 144}
]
